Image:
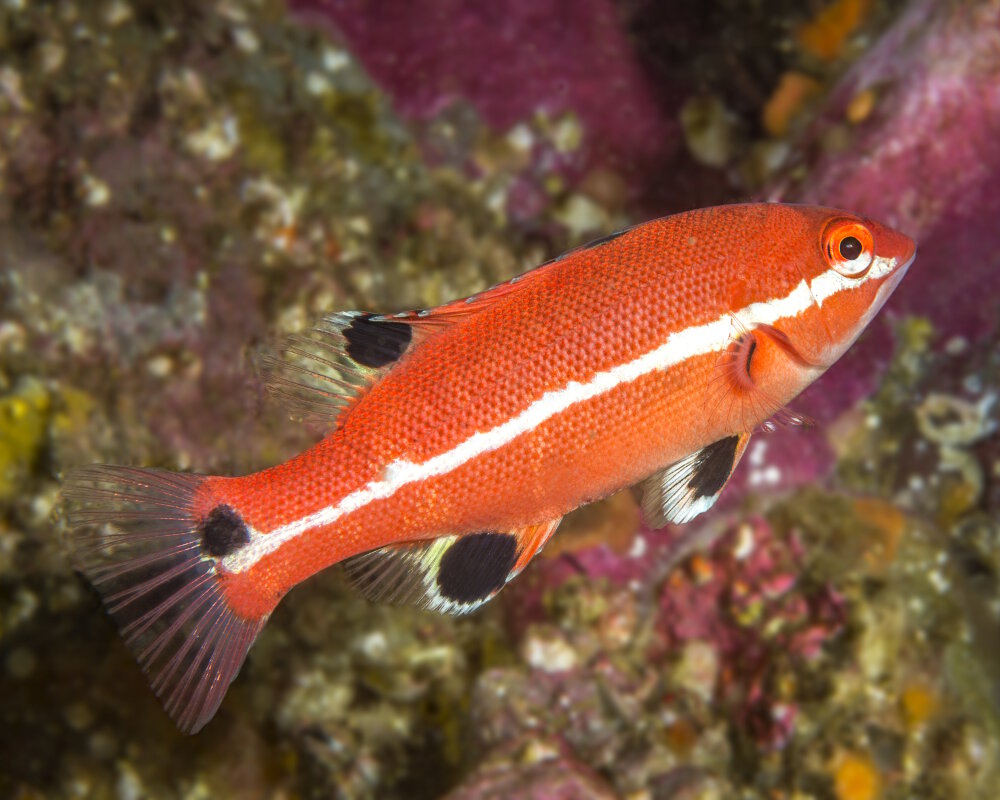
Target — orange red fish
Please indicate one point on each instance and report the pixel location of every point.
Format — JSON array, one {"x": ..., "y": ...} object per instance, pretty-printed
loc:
[{"x": 461, "y": 435}]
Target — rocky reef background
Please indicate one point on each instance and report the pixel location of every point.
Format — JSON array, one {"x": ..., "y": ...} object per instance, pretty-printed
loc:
[{"x": 182, "y": 182}]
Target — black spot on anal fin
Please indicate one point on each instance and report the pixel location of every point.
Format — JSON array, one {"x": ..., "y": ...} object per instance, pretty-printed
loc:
[
  {"x": 714, "y": 466},
  {"x": 376, "y": 343},
  {"x": 452, "y": 573},
  {"x": 476, "y": 566},
  {"x": 223, "y": 532}
]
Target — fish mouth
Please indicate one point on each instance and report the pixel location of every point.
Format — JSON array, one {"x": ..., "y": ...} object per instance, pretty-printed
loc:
[
  {"x": 886, "y": 287},
  {"x": 889, "y": 284},
  {"x": 893, "y": 279}
]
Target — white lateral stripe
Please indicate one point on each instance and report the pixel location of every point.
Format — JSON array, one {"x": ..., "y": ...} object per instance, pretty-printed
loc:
[{"x": 680, "y": 346}]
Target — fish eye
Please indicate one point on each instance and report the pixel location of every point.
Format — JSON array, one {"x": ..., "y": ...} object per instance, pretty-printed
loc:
[{"x": 849, "y": 247}]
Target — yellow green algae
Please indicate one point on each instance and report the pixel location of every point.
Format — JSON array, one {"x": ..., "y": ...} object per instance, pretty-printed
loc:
[
  {"x": 182, "y": 182},
  {"x": 23, "y": 421},
  {"x": 926, "y": 600}
]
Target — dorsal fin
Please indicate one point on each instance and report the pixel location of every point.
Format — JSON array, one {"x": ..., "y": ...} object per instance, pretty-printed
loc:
[
  {"x": 455, "y": 310},
  {"x": 452, "y": 574},
  {"x": 449, "y": 312},
  {"x": 320, "y": 373}
]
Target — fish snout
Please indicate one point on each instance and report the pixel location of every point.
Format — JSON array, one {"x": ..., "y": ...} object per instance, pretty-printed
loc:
[{"x": 891, "y": 244}]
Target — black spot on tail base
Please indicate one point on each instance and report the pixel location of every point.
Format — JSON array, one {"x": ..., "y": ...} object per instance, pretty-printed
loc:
[
  {"x": 223, "y": 532},
  {"x": 714, "y": 467},
  {"x": 376, "y": 344},
  {"x": 477, "y": 566}
]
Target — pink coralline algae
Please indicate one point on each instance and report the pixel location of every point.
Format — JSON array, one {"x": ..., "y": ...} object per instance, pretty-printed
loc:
[
  {"x": 735, "y": 626},
  {"x": 544, "y": 770},
  {"x": 745, "y": 602},
  {"x": 510, "y": 60},
  {"x": 927, "y": 161}
]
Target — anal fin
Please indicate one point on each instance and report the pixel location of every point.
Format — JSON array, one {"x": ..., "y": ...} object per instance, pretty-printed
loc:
[
  {"x": 689, "y": 487},
  {"x": 532, "y": 538},
  {"x": 454, "y": 574}
]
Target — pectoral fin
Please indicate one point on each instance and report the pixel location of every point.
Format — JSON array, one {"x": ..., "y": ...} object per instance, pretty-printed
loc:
[
  {"x": 680, "y": 492},
  {"x": 454, "y": 574},
  {"x": 751, "y": 353}
]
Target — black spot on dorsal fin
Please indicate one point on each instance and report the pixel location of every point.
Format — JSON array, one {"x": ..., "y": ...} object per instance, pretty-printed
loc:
[
  {"x": 223, "y": 532},
  {"x": 476, "y": 566},
  {"x": 376, "y": 343},
  {"x": 321, "y": 372}
]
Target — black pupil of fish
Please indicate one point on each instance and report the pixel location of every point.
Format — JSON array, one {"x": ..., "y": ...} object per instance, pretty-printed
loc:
[{"x": 850, "y": 248}]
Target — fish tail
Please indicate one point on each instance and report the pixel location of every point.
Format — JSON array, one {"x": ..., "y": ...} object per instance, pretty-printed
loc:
[{"x": 139, "y": 536}]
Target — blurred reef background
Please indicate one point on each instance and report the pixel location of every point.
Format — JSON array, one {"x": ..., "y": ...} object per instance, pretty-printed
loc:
[{"x": 181, "y": 182}]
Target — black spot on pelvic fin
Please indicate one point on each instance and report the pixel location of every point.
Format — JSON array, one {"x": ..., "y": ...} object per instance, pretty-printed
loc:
[
  {"x": 714, "y": 467},
  {"x": 376, "y": 343},
  {"x": 477, "y": 566},
  {"x": 223, "y": 532}
]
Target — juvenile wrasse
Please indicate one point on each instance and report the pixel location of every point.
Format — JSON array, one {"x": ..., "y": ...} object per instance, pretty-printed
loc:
[{"x": 461, "y": 435}]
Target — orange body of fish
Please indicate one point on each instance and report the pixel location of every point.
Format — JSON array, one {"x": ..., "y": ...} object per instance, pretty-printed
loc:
[{"x": 461, "y": 435}]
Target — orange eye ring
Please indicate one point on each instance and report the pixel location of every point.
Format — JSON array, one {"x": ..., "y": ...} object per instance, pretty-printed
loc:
[{"x": 849, "y": 247}]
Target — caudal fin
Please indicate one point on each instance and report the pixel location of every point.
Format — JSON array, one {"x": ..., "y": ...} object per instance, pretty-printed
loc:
[{"x": 139, "y": 538}]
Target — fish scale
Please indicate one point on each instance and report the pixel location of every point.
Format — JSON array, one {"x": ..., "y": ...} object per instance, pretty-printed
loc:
[{"x": 463, "y": 434}]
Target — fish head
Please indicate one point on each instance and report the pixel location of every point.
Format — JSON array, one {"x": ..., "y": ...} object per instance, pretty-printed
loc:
[{"x": 851, "y": 266}]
